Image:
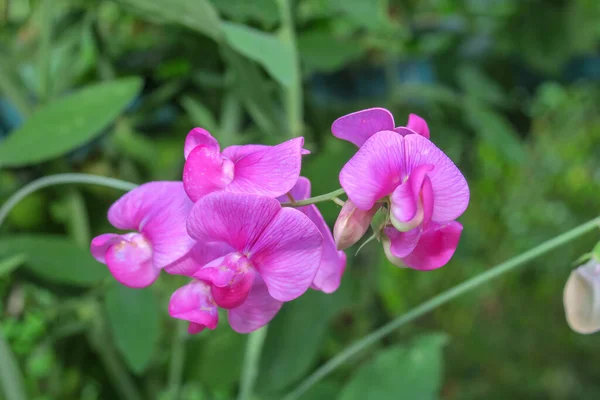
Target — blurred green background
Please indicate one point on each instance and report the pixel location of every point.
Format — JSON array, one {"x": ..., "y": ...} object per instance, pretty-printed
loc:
[{"x": 510, "y": 89}]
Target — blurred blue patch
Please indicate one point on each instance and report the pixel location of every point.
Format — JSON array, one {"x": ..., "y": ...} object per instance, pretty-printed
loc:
[
  {"x": 10, "y": 117},
  {"x": 585, "y": 67}
]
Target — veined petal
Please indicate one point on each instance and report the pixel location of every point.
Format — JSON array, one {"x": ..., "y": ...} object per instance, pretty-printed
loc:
[
  {"x": 200, "y": 137},
  {"x": 287, "y": 254},
  {"x": 271, "y": 172},
  {"x": 401, "y": 244},
  {"x": 407, "y": 210},
  {"x": 130, "y": 260},
  {"x": 232, "y": 218},
  {"x": 206, "y": 171},
  {"x": 436, "y": 246},
  {"x": 193, "y": 302},
  {"x": 237, "y": 152},
  {"x": 359, "y": 126},
  {"x": 450, "y": 189},
  {"x": 375, "y": 170},
  {"x": 200, "y": 255},
  {"x": 418, "y": 125},
  {"x": 257, "y": 311}
]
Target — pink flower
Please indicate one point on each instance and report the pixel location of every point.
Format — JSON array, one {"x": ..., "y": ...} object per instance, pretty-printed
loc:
[
  {"x": 269, "y": 255},
  {"x": 266, "y": 170},
  {"x": 424, "y": 189},
  {"x": 157, "y": 212},
  {"x": 361, "y": 125},
  {"x": 333, "y": 262}
]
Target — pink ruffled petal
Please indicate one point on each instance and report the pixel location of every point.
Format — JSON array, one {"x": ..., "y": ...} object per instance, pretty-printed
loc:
[
  {"x": 193, "y": 302},
  {"x": 436, "y": 246},
  {"x": 270, "y": 172},
  {"x": 235, "y": 153},
  {"x": 402, "y": 244},
  {"x": 232, "y": 218},
  {"x": 200, "y": 137},
  {"x": 407, "y": 210},
  {"x": 100, "y": 245},
  {"x": 287, "y": 254},
  {"x": 130, "y": 261},
  {"x": 375, "y": 170},
  {"x": 450, "y": 189},
  {"x": 206, "y": 171},
  {"x": 418, "y": 125},
  {"x": 200, "y": 255},
  {"x": 257, "y": 311},
  {"x": 361, "y": 125}
]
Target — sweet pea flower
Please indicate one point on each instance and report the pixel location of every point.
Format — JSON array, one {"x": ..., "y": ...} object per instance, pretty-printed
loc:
[
  {"x": 269, "y": 255},
  {"x": 333, "y": 262},
  {"x": 359, "y": 126},
  {"x": 257, "y": 169},
  {"x": 424, "y": 189},
  {"x": 157, "y": 212},
  {"x": 582, "y": 298}
]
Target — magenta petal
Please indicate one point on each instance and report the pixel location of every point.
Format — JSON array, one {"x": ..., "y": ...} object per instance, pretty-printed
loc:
[
  {"x": 193, "y": 302},
  {"x": 436, "y": 246},
  {"x": 200, "y": 255},
  {"x": 232, "y": 218},
  {"x": 194, "y": 328},
  {"x": 361, "y": 125},
  {"x": 450, "y": 189},
  {"x": 200, "y": 137},
  {"x": 100, "y": 245},
  {"x": 287, "y": 254},
  {"x": 375, "y": 170},
  {"x": 206, "y": 171},
  {"x": 257, "y": 311},
  {"x": 270, "y": 172},
  {"x": 300, "y": 191},
  {"x": 235, "y": 153},
  {"x": 407, "y": 206},
  {"x": 130, "y": 261},
  {"x": 418, "y": 125},
  {"x": 402, "y": 243}
]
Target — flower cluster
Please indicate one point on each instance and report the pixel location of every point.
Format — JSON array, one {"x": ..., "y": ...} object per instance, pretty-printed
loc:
[{"x": 233, "y": 227}]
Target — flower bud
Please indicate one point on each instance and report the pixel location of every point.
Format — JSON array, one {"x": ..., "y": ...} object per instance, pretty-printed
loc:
[
  {"x": 582, "y": 298},
  {"x": 351, "y": 225}
]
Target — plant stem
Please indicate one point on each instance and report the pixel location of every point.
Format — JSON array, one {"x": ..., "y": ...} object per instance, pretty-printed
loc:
[
  {"x": 60, "y": 179},
  {"x": 316, "y": 199},
  {"x": 177, "y": 360},
  {"x": 251, "y": 363},
  {"x": 11, "y": 380},
  {"x": 439, "y": 300}
]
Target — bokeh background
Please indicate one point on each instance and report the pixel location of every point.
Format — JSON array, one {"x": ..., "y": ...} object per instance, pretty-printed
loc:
[{"x": 510, "y": 89}]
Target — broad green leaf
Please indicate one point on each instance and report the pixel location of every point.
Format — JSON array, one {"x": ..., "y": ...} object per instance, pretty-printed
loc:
[
  {"x": 9, "y": 264},
  {"x": 322, "y": 52},
  {"x": 11, "y": 379},
  {"x": 55, "y": 258},
  {"x": 264, "y": 11},
  {"x": 266, "y": 49},
  {"x": 68, "y": 122},
  {"x": 295, "y": 338},
  {"x": 199, "y": 15},
  {"x": 199, "y": 114},
  {"x": 400, "y": 372},
  {"x": 133, "y": 318}
]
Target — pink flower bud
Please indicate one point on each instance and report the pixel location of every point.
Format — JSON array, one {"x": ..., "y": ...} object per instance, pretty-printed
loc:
[
  {"x": 351, "y": 225},
  {"x": 582, "y": 298}
]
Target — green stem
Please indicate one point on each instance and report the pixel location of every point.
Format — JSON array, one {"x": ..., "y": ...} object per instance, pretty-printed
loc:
[
  {"x": 251, "y": 363},
  {"x": 439, "y": 300},
  {"x": 60, "y": 179},
  {"x": 177, "y": 360},
  {"x": 11, "y": 380},
  {"x": 316, "y": 199}
]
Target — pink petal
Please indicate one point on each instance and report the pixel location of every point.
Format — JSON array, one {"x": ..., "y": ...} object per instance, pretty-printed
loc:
[
  {"x": 418, "y": 125},
  {"x": 351, "y": 224},
  {"x": 402, "y": 243},
  {"x": 206, "y": 171},
  {"x": 231, "y": 278},
  {"x": 130, "y": 261},
  {"x": 100, "y": 245},
  {"x": 194, "y": 328},
  {"x": 436, "y": 246},
  {"x": 232, "y": 218},
  {"x": 200, "y": 255},
  {"x": 375, "y": 170},
  {"x": 361, "y": 125},
  {"x": 257, "y": 311},
  {"x": 300, "y": 191},
  {"x": 450, "y": 189},
  {"x": 159, "y": 210},
  {"x": 407, "y": 209},
  {"x": 271, "y": 172},
  {"x": 235, "y": 153},
  {"x": 200, "y": 137},
  {"x": 193, "y": 302},
  {"x": 287, "y": 254}
]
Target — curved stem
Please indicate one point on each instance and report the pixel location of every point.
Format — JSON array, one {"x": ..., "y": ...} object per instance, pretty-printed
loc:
[
  {"x": 439, "y": 300},
  {"x": 251, "y": 363},
  {"x": 60, "y": 179},
  {"x": 316, "y": 199}
]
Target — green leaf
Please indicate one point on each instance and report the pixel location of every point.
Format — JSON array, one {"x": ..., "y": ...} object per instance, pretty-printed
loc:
[
  {"x": 266, "y": 49},
  {"x": 264, "y": 11},
  {"x": 67, "y": 123},
  {"x": 10, "y": 264},
  {"x": 55, "y": 258},
  {"x": 322, "y": 52},
  {"x": 293, "y": 344},
  {"x": 11, "y": 379},
  {"x": 134, "y": 323},
  {"x": 401, "y": 372},
  {"x": 199, "y": 15},
  {"x": 596, "y": 251},
  {"x": 480, "y": 86},
  {"x": 370, "y": 14}
]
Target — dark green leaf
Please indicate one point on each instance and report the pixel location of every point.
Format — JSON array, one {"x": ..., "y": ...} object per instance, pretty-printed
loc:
[
  {"x": 11, "y": 263},
  {"x": 67, "y": 123},
  {"x": 55, "y": 258},
  {"x": 401, "y": 372},
  {"x": 264, "y": 11},
  {"x": 371, "y": 14},
  {"x": 134, "y": 323}
]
